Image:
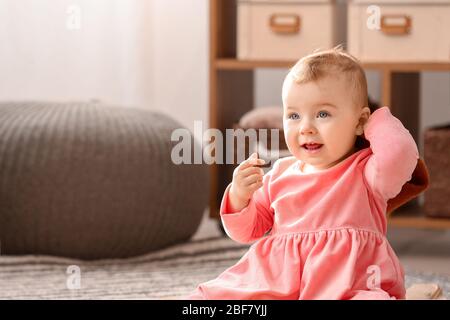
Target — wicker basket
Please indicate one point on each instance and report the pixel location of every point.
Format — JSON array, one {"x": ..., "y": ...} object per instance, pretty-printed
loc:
[{"x": 437, "y": 158}]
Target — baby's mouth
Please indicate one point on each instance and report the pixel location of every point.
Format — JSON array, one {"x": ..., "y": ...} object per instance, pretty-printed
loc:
[{"x": 312, "y": 146}]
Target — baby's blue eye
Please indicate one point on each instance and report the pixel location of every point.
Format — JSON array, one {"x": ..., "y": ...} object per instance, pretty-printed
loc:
[
  {"x": 323, "y": 113},
  {"x": 294, "y": 116}
]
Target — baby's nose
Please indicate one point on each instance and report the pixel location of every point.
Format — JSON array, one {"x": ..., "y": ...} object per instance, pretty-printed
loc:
[{"x": 307, "y": 128}]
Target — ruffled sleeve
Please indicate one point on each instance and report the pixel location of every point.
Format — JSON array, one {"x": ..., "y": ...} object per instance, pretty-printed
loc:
[{"x": 394, "y": 157}]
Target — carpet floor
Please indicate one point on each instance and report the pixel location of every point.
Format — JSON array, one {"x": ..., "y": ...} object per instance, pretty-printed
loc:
[{"x": 171, "y": 273}]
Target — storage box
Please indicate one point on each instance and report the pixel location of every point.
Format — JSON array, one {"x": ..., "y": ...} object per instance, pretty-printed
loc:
[
  {"x": 399, "y": 30},
  {"x": 437, "y": 158},
  {"x": 284, "y": 29}
]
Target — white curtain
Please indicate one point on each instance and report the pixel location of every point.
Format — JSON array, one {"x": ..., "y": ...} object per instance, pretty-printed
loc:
[{"x": 76, "y": 50}]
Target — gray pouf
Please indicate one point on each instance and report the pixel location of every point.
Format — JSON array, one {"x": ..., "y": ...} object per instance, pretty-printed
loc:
[{"x": 91, "y": 181}]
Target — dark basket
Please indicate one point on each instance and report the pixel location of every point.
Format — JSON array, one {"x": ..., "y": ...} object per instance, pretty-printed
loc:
[{"x": 437, "y": 158}]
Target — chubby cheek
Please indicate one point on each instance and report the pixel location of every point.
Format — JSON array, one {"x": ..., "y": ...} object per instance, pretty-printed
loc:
[
  {"x": 291, "y": 137},
  {"x": 340, "y": 143}
]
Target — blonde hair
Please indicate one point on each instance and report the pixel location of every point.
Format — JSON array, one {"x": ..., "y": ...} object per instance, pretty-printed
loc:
[{"x": 334, "y": 62}]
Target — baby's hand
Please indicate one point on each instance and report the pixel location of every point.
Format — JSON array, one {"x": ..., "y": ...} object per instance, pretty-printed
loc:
[{"x": 247, "y": 178}]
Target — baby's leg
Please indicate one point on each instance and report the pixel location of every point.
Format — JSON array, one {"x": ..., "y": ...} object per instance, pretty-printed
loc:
[
  {"x": 221, "y": 288},
  {"x": 261, "y": 274}
]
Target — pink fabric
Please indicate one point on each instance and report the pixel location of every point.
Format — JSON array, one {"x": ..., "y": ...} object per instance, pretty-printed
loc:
[{"x": 326, "y": 229}]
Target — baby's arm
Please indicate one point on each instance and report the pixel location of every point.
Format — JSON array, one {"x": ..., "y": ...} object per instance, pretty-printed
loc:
[
  {"x": 394, "y": 155},
  {"x": 247, "y": 222}
]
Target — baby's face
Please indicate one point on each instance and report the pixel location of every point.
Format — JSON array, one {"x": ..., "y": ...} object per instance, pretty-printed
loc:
[{"x": 321, "y": 112}]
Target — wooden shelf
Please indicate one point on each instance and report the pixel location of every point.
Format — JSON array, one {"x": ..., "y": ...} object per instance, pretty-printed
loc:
[
  {"x": 235, "y": 64},
  {"x": 419, "y": 222},
  {"x": 413, "y": 216},
  {"x": 407, "y": 66}
]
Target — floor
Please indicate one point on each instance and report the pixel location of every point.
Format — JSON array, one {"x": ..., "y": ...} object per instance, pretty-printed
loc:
[{"x": 419, "y": 250}]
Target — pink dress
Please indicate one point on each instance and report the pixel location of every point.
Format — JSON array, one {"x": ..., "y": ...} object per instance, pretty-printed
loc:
[{"x": 327, "y": 229}]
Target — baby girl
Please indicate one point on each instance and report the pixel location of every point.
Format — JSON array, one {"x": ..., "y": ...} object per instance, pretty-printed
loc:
[{"x": 318, "y": 218}]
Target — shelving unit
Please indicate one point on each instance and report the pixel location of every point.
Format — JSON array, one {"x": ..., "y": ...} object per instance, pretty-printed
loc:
[{"x": 231, "y": 96}]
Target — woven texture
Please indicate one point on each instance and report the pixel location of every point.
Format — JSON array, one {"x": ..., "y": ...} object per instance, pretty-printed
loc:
[
  {"x": 437, "y": 146},
  {"x": 91, "y": 181},
  {"x": 171, "y": 273}
]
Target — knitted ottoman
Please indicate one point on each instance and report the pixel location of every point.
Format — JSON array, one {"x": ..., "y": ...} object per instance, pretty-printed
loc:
[
  {"x": 90, "y": 181},
  {"x": 437, "y": 157}
]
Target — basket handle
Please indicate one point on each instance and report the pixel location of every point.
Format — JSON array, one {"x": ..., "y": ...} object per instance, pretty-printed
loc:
[
  {"x": 285, "y": 23},
  {"x": 402, "y": 26}
]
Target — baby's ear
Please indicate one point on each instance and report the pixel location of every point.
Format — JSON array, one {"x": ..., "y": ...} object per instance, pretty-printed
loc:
[{"x": 363, "y": 118}]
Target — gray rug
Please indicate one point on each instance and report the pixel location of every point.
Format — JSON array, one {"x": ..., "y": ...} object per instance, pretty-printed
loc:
[{"x": 170, "y": 273}]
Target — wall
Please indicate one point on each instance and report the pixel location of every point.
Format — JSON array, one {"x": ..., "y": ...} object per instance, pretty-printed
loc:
[
  {"x": 142, "y": 53},
  {"x": 51, "y": 52},
  {"x": 180, "y": 73}
]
